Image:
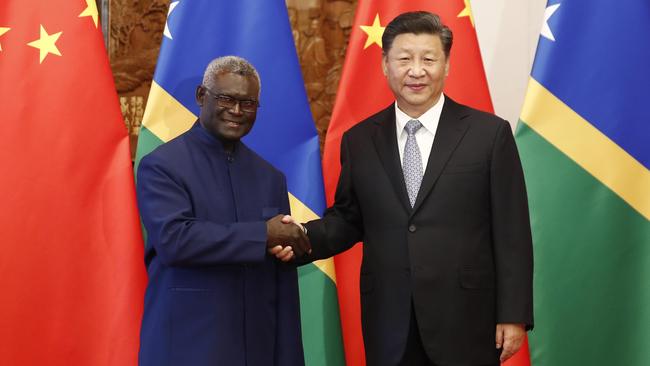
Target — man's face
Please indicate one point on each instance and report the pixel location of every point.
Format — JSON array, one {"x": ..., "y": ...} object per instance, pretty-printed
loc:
[
  {"x": 416, "y": 69},
  {"x": 227, "y": 124}
]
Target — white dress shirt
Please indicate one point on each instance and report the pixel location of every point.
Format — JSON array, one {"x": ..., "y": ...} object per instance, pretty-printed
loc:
[{"x": 424, "y": 136}]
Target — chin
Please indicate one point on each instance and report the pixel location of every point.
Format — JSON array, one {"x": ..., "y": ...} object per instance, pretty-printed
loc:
[
  {"x": 422, "y": 100},
  {"x": 232, "y": 138}
]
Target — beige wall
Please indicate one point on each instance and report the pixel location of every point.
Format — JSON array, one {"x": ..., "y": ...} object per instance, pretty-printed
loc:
[{"x": 507, "y": 32}]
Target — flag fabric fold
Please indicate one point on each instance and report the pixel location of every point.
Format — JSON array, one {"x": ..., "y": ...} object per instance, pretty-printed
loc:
[
  {"x": 583, "y": 137},
  {"x": 284, "y": 133},
  {"x": 364, "y": 91},
  {"x": 72, "y": 270}
]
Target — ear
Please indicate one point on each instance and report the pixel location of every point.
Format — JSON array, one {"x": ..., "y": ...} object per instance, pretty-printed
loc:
[
  {"x": 200, "y": 92},
  {"x": 447, "y": 67},
  {"x": 384, "y": 64}
]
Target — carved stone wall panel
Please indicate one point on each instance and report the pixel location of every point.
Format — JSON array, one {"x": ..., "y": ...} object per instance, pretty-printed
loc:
[
  {"x": 321, "y": 30},
  {"x": 134, "y": 34}
]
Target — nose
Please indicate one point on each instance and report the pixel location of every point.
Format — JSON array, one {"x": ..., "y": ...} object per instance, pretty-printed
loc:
[
  {"x": 416, "y": 70},
  {"x": 236, "y": 109}
]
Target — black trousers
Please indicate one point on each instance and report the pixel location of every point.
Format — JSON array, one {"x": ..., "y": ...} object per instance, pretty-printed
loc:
[{"x": 414, "y": 354}]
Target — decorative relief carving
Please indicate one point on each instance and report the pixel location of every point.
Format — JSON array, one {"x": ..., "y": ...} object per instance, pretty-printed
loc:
[
  {"x": 133, "y": 111},
  {"x": 135, "y": 34},
  {"x": 321, "y": 29}
]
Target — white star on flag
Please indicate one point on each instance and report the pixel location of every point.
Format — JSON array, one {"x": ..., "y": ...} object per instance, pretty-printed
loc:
[
  {"x": 546, "y": 30},
  {"x": 166, "y": 32}
]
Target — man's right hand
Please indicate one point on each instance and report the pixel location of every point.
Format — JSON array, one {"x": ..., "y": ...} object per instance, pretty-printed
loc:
[{"x": 285, "y": 234}]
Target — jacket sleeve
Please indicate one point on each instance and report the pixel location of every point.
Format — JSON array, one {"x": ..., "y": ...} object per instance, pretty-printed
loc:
[
  {"x": 511, "y": 234},
  {"x": 178, "y": 236},
  {"x": 341, "y": 226}
]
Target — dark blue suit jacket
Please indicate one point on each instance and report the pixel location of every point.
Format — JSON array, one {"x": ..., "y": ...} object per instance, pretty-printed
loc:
[{"x": 214, "y": 296}]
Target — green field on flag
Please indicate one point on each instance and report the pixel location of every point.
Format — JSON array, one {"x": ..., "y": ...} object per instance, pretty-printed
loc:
[{"x": 591, "y": 292}]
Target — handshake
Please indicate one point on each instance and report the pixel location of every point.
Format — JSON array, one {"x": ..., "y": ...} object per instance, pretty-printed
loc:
[{"x": 286, "y": 239}]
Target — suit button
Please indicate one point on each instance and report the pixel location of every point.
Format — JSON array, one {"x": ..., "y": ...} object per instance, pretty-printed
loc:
[{"x": 412, "y": 228}]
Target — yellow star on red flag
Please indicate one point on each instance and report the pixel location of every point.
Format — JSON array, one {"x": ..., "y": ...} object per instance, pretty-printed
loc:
[
  {"x": 46, "y": 44},
  {"x": 90, "y": 11},
  {"x": 3, "y": 30},
  {"x": 374, "y": 32},
  {"x": 467, "y": 12}
]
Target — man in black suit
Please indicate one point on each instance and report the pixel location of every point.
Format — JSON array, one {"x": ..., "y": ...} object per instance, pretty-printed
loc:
[{"x": 446, "y": 277}]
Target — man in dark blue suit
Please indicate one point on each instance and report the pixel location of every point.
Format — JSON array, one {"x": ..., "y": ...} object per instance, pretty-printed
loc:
[{"x": 212, "y": 209}]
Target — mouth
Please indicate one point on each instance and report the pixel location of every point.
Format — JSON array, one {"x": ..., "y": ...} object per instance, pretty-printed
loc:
[
  {"x": 416, "y": 87},
  {"x": 233, "y": 124}
]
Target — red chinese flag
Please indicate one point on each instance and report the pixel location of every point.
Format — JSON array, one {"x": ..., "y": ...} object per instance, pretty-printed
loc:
[
  {"x": 364, "y": 91},
  {"x": 71, "y": 270}
]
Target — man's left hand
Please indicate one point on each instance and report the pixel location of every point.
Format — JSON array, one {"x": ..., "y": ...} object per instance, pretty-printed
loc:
[{"x": 510, "y": 337}]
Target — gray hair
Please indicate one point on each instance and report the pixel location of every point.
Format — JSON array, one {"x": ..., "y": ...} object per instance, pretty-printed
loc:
[{"x": 230, "y": 64}]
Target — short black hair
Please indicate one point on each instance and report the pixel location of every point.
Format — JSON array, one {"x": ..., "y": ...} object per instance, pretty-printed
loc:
[{"x": 417, "y": 22}]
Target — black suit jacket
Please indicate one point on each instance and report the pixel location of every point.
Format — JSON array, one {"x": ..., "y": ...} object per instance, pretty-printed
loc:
[{"x": 462, "y": 254}]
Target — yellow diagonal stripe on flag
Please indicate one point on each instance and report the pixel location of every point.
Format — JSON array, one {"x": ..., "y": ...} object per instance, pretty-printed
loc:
[
  {"x": 302, "y": 213},
  {"x": 587, "y": 146},
  {"x": 165, "y": 116}
]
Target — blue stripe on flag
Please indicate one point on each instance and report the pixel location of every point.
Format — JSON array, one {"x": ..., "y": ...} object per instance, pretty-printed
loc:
[
  {"x": 284, "y": 133},
  {"x": 598, "y": 66}
]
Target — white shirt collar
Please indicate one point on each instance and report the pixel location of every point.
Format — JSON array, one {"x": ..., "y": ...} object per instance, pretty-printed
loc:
[{"x": 429, "y": 119}]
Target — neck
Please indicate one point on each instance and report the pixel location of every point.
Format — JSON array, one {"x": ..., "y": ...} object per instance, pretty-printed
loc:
[
  {"x": 228, "y": 145},
  {"x": 416, "y": 111}
]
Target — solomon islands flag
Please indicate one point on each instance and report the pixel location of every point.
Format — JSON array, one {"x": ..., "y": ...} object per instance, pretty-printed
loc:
[{"x": 584, "y": 139}]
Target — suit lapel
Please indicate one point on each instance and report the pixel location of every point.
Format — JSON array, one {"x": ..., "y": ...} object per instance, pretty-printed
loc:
[
  {"x": 451, "y": 129},
  {"x": 385, "y": 139}
]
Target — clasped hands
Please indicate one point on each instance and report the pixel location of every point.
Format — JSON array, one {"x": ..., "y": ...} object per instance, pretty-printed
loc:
[{"x": 286, "y": 239}]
